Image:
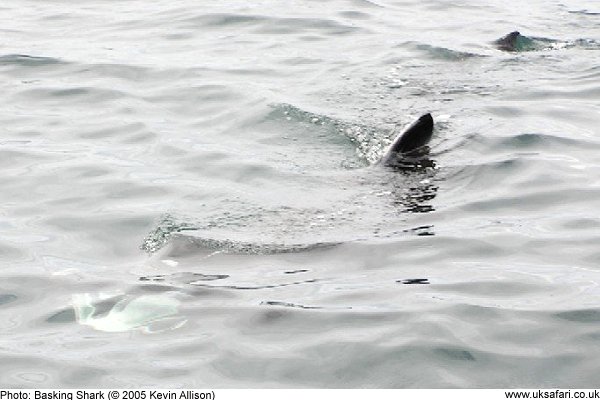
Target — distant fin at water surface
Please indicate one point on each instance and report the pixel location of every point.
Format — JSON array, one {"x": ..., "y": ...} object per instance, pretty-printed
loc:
[
  {"x": 514, "y": 41},
  {"x": 409, "y": 149}
]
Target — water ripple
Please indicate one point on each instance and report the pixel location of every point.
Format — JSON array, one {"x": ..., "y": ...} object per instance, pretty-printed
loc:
[{"x": 272, "y": 25}]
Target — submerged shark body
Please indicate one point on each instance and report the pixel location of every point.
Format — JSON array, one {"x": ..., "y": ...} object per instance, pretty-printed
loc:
[{"x": 409, "y": 150}]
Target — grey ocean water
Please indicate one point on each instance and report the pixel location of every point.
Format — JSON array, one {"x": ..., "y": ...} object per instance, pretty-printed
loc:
[{"x": 187, "y": 197}]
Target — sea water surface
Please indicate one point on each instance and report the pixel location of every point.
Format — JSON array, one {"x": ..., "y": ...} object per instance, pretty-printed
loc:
[{"x": 189, "y": 197}]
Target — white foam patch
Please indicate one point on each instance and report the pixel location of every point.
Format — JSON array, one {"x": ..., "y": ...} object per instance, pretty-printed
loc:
[{"x": 143, "y": 312}]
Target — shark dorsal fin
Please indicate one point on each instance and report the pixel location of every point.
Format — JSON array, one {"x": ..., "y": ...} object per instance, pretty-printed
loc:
[{"x": 410, "y": 140}]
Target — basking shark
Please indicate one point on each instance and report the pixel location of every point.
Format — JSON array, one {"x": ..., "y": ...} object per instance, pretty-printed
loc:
[
  {"x": 409, "y": 149},
  {"x": 514, "y": 41}
]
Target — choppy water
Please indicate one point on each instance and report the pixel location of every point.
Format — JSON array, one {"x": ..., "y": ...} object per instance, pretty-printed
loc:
[{"x": 187, "y": 198}]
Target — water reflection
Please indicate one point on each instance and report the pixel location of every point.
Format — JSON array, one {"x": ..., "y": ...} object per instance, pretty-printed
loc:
[
  {"x": 414, "y": 281},
  {"x": 418, "y": 174},
  {"x": 418, "y": 197}
]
